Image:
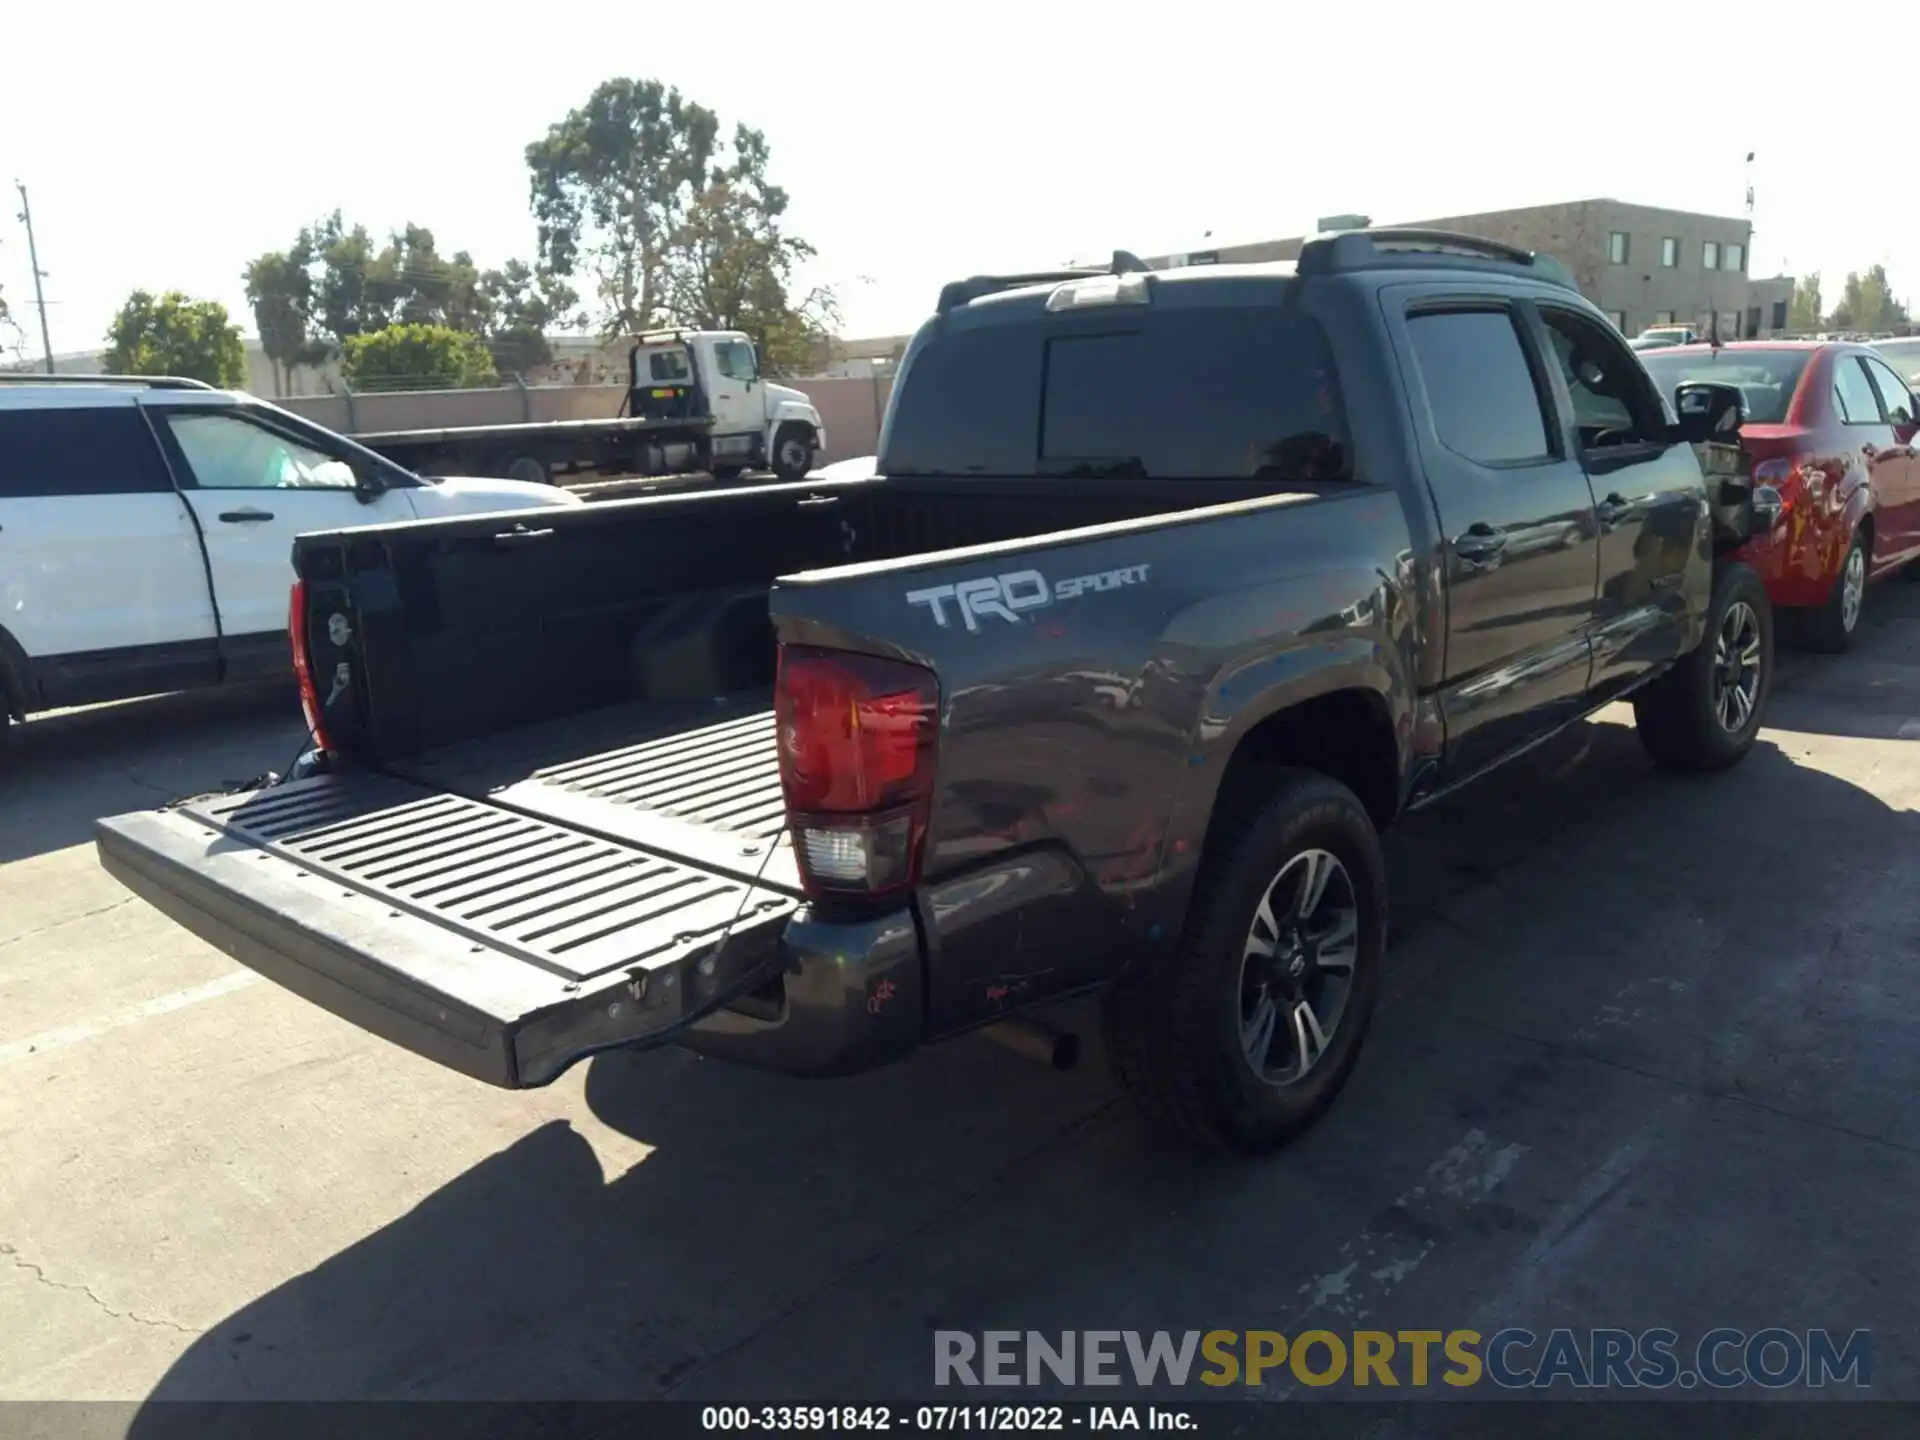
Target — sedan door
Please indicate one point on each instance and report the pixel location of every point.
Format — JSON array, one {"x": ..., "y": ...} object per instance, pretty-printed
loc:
[
  {"x": 1875, "y": 452},
  {"x": 254, "y": 487},
  {"x": 1901, "y": 507}
]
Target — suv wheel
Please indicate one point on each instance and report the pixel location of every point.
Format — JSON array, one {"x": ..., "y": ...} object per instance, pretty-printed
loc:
[
  {"x": 1704, "y": 713},
  {"x": 1240, "y": 1038}
]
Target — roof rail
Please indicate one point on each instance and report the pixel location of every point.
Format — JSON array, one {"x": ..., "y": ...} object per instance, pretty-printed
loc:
[
  {"x": 149, "y": 382},
  {"x": 961, "y": 292},
  {"x": 1386, "y": 248}
]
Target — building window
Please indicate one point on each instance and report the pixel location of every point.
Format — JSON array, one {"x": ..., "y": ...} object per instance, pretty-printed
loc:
[
  {"x": 1736, "y": 257},
  {"x": 1663, "y": 317},
  {"x": 1779, "y": 314},
  {"x": 1669, "y": 253},
  {"x": 1619, "y": 319},
  {"x": 1617, "y": 247},
  {"x": 1753, "y": 322},
  {"x": 1710, "y": 255}
]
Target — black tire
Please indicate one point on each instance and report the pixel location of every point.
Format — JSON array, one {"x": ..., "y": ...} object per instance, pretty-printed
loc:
[
  {"x": 1831, "y": 628},
  {"x": 1680, "y": 715},
  {"x": 726, "y": 472},
  {"x": 794, "y": 451},
  {"x": 1174, "y": 1026},
  {"x": 530, "y": 469}
]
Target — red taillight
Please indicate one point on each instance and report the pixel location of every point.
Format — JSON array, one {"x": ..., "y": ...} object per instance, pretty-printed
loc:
[
  {"x": 1788, "y": 476},
  {"x": 857, "y": 737},
  {"x": 303, "y": 665}
]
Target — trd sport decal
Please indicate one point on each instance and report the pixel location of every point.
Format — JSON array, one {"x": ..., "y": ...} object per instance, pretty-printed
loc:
[{"x": 1009, "y": 596}]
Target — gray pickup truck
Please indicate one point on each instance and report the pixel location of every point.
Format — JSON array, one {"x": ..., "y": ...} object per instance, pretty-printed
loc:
[{"x": 1169, "y": 589}]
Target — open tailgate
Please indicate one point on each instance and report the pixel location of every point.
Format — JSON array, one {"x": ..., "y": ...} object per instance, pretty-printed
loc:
[{"x": 502, "y": 945}]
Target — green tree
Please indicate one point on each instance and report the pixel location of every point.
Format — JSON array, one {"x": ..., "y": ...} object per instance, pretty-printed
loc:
[
  {"x": 173, "y": 335},
  {"x": 612, "y": 182},
  {"x": 1868, "y": 302},
  {"x": 280, "y": 291},
  {"x": 418, "y": 356},
  {"x": 521, "y": 305},
  {"x": 1804, "y": 313}
]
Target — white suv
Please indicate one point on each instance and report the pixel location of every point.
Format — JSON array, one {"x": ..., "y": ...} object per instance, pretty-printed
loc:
[{"x": 147, "y": 527}]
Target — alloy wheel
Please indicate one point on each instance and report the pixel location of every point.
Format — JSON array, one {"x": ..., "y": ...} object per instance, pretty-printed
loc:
[
  {"x": 1736, "y": 667},
  {"x": 1297, "y": 967}
]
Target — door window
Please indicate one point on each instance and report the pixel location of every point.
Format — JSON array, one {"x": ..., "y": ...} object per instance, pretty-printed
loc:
[
  {"x": 226, "y": 452},
  {"x": 78, "y": 451},
  {"x": 1853, "y": 394},
  {"x": 1479, "y": 386},
  {"x": 735, "y": 360},
  {"x": 1894, "y": 394},
  {"x": 1612, "y": 405}
]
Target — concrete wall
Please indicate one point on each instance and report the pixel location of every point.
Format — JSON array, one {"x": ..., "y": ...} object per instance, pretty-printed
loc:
[{"x": 849, "y": 408}]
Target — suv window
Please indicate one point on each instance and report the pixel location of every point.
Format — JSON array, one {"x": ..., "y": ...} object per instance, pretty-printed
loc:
[
  {"x": 669, "y": 365},
  {"x": 1853, "y": 394},
  {"x": 227, "y": 452},
  {"x": 78, "y": 451},
  {"x": 1479, "y": 385},
  {"x": 1189, "y": 392},
  {"x": 735, "y": 360},
  {"x": 1893, "y": 392},
  {"x": 1611, "y": 402}
]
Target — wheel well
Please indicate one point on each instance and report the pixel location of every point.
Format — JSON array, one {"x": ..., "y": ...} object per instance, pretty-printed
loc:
[
  {"x": 1346, "y": 736},
  {"x": 14, "y": 677}
]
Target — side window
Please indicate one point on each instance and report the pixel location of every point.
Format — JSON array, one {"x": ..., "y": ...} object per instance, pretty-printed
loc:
[
  {"x": 226, "y": 452},
  {"x": 1479, "y": 386},
  {"x": 1612, "y": 404},
  {"x": 735, "y": 360},
  {"x": 669, "y": 366},
  {"x": 69, "y": 451},
  {"x": 1894, "y": 395},
  {"x": 1853, "y": 394}
]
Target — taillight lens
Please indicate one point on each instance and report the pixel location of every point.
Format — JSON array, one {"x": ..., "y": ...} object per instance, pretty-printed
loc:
[
  {"x": 1786, "y": 476},
  {"x": 857, "y": 737},
  {"x": 303, "y": 665}
]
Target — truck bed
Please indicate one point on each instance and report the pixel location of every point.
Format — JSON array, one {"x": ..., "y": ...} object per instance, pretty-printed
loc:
[{"x": 694, "y": 780}]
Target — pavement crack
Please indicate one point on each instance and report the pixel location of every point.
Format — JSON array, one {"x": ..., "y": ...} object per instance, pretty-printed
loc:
[
  {"x": 20, "y": 1262},
  {"x": 65, "y": 921}
]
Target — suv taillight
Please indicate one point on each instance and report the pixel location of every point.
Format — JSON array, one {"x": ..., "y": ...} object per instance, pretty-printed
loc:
[
  {"x": 303, "y": 665},
  {"x": 857, "y": 736}
]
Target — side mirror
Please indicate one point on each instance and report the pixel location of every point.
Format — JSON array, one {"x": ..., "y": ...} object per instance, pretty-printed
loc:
[{"x": 1709, "y": 413}]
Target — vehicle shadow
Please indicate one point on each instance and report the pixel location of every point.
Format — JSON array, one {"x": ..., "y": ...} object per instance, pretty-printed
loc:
[
  {"x": 63, "y": 770},
  {"x": 965, "y": 1184}
]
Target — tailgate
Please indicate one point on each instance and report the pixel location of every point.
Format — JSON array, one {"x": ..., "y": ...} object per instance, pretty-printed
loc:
[{"x": 502, "y": 945}]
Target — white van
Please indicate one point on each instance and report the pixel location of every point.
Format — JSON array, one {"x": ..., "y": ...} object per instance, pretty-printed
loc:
[{"x": 147, "y": 527}]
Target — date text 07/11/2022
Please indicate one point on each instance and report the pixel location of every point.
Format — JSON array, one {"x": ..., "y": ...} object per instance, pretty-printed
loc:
[{"x": 948, "y": 1419}]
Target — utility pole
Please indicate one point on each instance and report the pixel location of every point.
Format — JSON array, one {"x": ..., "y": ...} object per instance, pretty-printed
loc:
[{"x": 33, "y": 259}]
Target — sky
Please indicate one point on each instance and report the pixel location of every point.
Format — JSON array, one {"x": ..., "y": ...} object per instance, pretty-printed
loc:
[{"x": 164, "y": 146}]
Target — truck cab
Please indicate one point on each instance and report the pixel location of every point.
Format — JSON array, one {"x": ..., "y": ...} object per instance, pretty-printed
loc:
[{"x": 682, "y": 374}]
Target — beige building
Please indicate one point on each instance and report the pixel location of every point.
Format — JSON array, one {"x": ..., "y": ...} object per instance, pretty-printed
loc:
[{"x": 1642, "y": 265}]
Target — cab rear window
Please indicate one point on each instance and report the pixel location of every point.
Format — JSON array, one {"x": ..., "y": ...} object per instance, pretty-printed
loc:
[{"x": 1192, "y": 392}]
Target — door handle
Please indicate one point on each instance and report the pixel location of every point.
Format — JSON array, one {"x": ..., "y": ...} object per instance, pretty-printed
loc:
[
  {"x": 1612, "y": 510},
  {"x": 1481, "y": 544},
  {"x": 520, "y": 535},
  {"x": 244, "y": 517}
]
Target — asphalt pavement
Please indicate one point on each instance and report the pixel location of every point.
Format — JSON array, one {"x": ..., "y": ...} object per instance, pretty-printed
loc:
[{"x": 1647, "y": 1057}]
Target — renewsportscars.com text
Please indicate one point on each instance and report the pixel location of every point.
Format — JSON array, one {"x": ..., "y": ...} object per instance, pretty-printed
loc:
[{"x": 1514, "y": 1359}]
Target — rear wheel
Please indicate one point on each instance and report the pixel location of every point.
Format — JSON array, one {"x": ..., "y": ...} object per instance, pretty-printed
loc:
[
  {"x": 1241, "y": 1037},
  {"x": 1831, "y": 627},
  {"x": 794, "y": 449},
  {"x": 1705, "y": 712}
]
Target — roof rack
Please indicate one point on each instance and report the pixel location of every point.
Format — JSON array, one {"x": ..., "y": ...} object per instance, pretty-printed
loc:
[
  {"x": 149, "y": 382},
  {"x": 961, "y": 292},
  {"x": 1348, "y": 250}
]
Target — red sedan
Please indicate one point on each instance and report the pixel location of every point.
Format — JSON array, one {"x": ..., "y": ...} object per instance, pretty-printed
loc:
[{"x": 1832, "y": 427}]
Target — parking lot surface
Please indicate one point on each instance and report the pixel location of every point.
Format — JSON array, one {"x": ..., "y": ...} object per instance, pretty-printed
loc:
[{"x": 1648, "y": 1057}]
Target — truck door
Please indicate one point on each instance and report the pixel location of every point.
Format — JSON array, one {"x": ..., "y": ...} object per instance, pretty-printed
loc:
[
  {"x": 254, "y": 487},
  {"x": 1655, "y": 578},
  {"x": 1518, "y": 536},
  {"x": 739, "y": 399}
]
